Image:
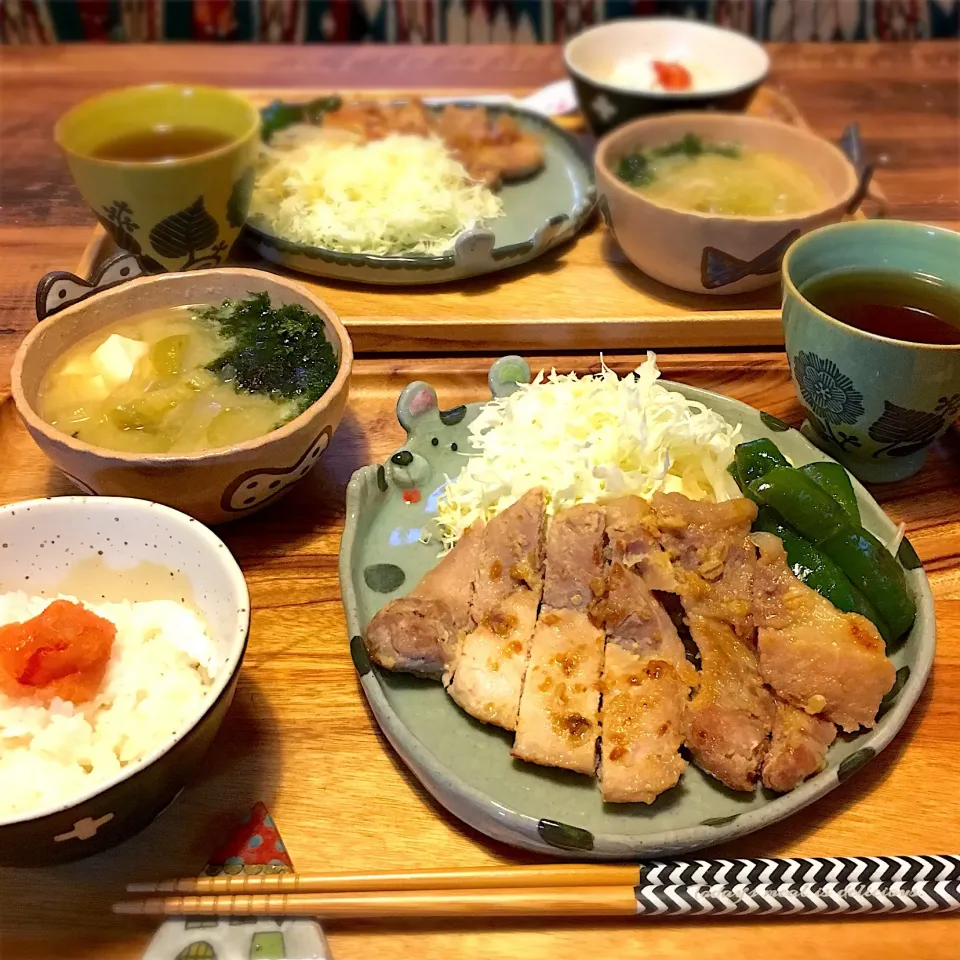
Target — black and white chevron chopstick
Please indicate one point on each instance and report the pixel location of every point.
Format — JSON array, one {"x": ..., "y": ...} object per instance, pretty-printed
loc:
[
  {"x": 763, "y": 899},
  {"x": 800, "y": 870}
]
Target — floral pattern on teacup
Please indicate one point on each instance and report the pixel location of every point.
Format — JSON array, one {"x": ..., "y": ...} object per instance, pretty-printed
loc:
[{"x": 831, "y": 397}]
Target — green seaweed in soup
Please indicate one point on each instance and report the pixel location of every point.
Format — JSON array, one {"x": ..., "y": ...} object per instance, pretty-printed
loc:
[
  {"x": 186, "y": 379},
  {"x": 282, "y": 352},
  {"x": 720, "y": 178}
]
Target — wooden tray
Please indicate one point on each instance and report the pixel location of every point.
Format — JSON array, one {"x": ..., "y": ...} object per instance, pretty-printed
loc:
[
  {"x": 299, "y": 736},
  {"x": 584, "y": 295}
]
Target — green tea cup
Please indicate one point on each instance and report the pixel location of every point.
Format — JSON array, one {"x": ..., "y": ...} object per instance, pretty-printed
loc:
[
  {"x": 179, "y": 214},
  {"x": 873, "y": 402}
]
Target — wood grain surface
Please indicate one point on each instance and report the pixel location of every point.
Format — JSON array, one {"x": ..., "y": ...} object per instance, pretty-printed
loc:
[
  {"x": 299, "y": 735},
  {"x": 905, "y": 96},
  {"x": 538, "y": 306}
]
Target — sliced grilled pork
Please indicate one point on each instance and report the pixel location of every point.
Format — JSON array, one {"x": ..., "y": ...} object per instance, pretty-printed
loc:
[
  {"x": 493, "y": 660},
  {"x": 646, "y": 683},
  {"x": 488, "y": 674},
  {"x": 825, "y": 662},
  {"x": 632, "y": 540},
  {"x": 798, "y": 748},
  {"x": 511, "y": 553},
  {"x": 413, "y": 635},
  {"x": 421, "y": 633},
  {"x": 558, "y": 723},
  {"x": 730, "y": 716},
  {"x": 712, "y": 558},
  {"x": 642, "y": 726}
]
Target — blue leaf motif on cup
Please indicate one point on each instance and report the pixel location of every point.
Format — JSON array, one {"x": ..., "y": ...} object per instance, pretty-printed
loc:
[{"x": 829, "y": 395}]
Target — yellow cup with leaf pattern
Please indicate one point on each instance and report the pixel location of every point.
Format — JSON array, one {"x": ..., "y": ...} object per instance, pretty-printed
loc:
[{"x": 176, "y": 212}]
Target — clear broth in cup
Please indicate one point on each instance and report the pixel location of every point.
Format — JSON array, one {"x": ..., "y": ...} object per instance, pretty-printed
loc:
[{"x": 904, "y": 306}]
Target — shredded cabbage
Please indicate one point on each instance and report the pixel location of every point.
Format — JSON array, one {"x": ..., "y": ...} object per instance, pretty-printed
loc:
[
  {"x": 589, "y": 439},
  {"x": 402, "y": 194}
]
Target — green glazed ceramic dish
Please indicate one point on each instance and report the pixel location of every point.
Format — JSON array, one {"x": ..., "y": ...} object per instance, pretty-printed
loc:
[
  {"x": 182, "y": 214},
  {"x": 540, "y": 212},
  {"x": 467, "y": 766}
]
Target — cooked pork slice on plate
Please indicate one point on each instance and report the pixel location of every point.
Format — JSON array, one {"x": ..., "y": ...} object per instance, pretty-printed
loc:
[
  {"x": 493, "y": 661},
  {"x": 633, "y": 617},
  {"x": 489, "y": 671},
  {"x": 574, "y": 562},
  {"x": 827, "y": 663},
  {"x": 558, "y": 724},
  {"x": 732, "y": 712},
  {"x": 453, "y": 580},
  {"x": 711, "y": 555},
  {"x": 511, "y": 553},
  {"x": 642, "y": 726},
  {"x": 646, "y": 682},
  {"x": 422, "y": 632},
  {"x": 631, "y": 540},
  {"x": 798, "y": 748},
  {"x": 413, "y": 635}
]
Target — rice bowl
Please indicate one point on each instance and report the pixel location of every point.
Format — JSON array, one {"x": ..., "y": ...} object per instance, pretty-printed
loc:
[
  {"x": 160, "y": 671},
  {"x": 143, "y": 564}
]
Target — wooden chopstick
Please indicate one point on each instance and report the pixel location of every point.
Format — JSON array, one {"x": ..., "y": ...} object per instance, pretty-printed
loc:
[
  {"x": 761, "y": 899},
  {"x": 742, "y": 872},
  {"x": 762, "y": 887},
  {"x": 548, "y": 875},
  {"x": 506, "y": 902}
]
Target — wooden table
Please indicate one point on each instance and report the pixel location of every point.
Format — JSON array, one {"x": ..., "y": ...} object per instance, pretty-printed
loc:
[{"x": 299, "y": 735}]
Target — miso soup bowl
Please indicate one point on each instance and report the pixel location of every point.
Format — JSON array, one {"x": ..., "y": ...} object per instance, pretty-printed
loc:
[
  {"x": 713, "y": 253},
  {"x": 213, "y": 486}
]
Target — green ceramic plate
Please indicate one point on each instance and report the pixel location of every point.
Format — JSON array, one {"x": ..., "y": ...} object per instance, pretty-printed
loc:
[
  {"x": 466, "y": 765},
  {"x": 540, "y": 213}
]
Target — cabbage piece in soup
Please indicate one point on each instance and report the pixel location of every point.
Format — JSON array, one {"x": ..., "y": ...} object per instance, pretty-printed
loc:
[
  {"x": 189, "y": 379},
  {"x": 724, "y": 179}
]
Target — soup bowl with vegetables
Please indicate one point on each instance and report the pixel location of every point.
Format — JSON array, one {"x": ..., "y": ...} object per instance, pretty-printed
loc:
[
  {"x": 210, "y": 392},
  {"x": 709, "y": 202}
]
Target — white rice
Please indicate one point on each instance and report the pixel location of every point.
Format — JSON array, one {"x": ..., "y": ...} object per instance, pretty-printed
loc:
[{"x": 160, "y": 671}]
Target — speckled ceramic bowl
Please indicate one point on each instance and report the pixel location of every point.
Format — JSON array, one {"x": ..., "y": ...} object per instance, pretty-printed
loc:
[
  {"x": 112, "y": 548},
  {"x": 213, "y": 486},
  {"x": 713, "y": 253},
  {"x": 734, "y": 66}
]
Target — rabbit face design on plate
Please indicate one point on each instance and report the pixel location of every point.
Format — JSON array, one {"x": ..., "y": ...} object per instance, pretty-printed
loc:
[{"x": 255, "y": 487}]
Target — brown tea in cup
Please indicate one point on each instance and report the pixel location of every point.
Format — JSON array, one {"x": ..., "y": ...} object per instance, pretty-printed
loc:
[{"x": 900, "y": 305}]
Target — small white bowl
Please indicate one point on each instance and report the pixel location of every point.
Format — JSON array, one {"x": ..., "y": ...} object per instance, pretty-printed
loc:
[
  {"x": 115, "y": 548},
  {"x": 732, "y": 64}
]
